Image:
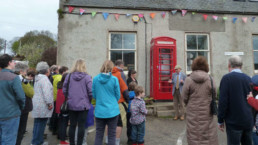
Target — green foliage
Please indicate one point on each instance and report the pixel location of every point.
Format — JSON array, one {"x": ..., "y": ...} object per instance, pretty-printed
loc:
[
  {"x": 60, "y": 13},
  {"x": 32, "y": 53},
  {"x": 15, "y": 46}
]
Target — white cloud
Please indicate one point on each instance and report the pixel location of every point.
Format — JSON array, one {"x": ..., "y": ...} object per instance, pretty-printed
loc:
[{"x": 21, "y": 16}]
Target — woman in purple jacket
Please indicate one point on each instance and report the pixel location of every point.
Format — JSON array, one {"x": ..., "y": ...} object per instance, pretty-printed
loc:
[{"x": 79, "y": 98}]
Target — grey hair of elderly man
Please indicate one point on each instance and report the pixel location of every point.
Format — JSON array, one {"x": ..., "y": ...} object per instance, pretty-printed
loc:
[
  {"x": 42, "y": 67},
  {"x": 21, "y": 67},
  {"x": 235, "y": 61}
]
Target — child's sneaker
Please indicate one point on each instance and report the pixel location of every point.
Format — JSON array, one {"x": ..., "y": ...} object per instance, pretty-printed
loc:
[{"x": 64, "y": 142}]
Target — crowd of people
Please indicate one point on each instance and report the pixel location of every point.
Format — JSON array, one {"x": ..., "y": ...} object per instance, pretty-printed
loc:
[{"x": 119, "y": 103}]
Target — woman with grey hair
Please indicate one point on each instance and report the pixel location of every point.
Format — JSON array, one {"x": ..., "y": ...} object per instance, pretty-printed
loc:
[
  {"x": 21, "y": 70},
  {"x": 42, "y": 101}
]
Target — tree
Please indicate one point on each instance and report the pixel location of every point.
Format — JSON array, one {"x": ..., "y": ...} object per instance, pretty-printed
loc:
[
  {"x": 15, "y": 46},
  {"x": 49, "y": 56},
  {"x": 32, "y": 53}
]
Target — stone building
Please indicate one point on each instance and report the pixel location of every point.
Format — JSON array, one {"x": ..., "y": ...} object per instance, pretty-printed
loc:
[{"x": 96, "y": 39}]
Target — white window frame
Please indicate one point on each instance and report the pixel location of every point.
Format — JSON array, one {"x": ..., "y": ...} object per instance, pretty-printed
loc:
[
  {"x": 135, "y": 50},
  {"x": 186, "y": 50},
  {"x": 255, "y": 70}
]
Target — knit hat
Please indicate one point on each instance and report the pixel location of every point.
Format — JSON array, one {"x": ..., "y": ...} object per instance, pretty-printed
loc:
[{"x": 255, "y": 80}]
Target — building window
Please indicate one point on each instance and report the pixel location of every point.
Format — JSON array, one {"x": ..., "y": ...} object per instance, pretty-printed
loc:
[
  {"x": 123, "y": 46},
  {"x": 196, "y": 45},
  {"x": 255, "y": 48}
]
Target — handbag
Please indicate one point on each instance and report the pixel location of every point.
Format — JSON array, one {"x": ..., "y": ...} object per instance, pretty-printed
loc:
[
  {"x": 213, "y": 105},
  {"x": 64, "y": 107}
]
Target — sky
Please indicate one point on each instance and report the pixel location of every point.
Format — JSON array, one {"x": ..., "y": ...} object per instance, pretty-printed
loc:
[{"x": 20, "y": 16}]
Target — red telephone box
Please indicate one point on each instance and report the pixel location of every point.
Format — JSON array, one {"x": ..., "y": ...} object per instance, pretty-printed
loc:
[{"x": 162, "y": 63}]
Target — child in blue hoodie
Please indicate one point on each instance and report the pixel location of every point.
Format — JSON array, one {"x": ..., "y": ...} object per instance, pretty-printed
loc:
[{"x": 131, "y": 88}]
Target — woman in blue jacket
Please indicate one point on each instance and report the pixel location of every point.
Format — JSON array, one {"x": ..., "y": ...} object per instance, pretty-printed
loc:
[{"x": 106, "y": 91}]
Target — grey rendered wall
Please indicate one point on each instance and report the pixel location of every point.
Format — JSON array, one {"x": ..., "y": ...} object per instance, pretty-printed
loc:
[{"x": 86, "y": 37}]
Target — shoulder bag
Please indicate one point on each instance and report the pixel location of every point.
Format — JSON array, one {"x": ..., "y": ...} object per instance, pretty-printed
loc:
[
  {"x": 64, "y": 107},
  {"x": 213, "y": 105}
]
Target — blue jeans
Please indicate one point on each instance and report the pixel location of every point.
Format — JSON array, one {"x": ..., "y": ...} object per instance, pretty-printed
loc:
[
  {"x": 236, "y": 136},
  {"x": 9, "y": 130},
  {"x": 255, "y": 138},
  {"x": 38, "y": 131},
  {"x": 138, "y": 133}
]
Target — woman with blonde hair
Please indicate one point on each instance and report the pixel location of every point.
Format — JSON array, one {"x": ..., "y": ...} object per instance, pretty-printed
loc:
[
  {"x": 106, "y": 91},
  {"x": 197, "y": 95},
  {"x": 77, "y": 86}
]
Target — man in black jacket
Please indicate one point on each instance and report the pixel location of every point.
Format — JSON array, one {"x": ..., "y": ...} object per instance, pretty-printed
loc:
[{"x": 233, "y": 107}]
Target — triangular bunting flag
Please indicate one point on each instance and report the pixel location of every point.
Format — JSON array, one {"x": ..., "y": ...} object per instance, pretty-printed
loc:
[
  {"x": 140, "y": 15},
  {"x": 82, "y": 11},
  {"x": 184, "y": 12},
  {"x": 117, "y": 16},
  {"x": 215, "y": 17},
  {"x": 152, "y": 15},
  {"x": 193, "y": 13},
  {"x": 128, "y": 15},
  {"x": 253, "y": 18},
  {"x": 234, "y": 20},
  {"x": 225, "y": 18},
  {"x": 105, "y": 15},
  {"x": 244, "y": 19},
  {"x": 174, "y": 12},
  {"x": 163, "y": 14},
  {"x": 93, "y": 14},
  {"x": 205, "y": 16},
  {"x": 70, "y": 9}
]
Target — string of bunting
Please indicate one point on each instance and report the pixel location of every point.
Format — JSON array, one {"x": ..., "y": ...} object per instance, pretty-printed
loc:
[{"x": 163, "y": 15}]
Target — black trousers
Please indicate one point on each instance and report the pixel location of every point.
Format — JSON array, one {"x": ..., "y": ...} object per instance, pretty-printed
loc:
[
  {"x": 129, "y": 126},
  {"x": 62, "y": 126},
  {"x": 77, "y": 118},
  {"x": 22, "y": 127},
  {"x": 53, "y": 124}
]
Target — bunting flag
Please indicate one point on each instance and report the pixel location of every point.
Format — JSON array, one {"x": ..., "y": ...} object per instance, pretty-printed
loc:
[
  {"x": 244, "y": 19},
  {"x": 105, "y": 15},
  {"x": 215, "y": 17},
  {"x": 253, "y": 18},
  {"x": 205, "y": 16},
  {"x": 234, "y": 20},
  {"x": 140, "y": 15},
  {"x": 225, "y": 18},
  {"x": 82, "y": 11},
  {"x": 184, "y": 12},
  {"x": 174, "y": 12},
  {"x": 128, "y": 15},
  {"x": 193, "y": 13},
  {"x": 93, "y": 14},
  {"x": 163, "y": 14},
  {"x": 117, "y": 16},
  {"x": 152, "y": 15},
  {"x": 70, "y": 9}
]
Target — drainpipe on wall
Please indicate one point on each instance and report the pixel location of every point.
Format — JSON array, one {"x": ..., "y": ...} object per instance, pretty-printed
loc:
[{"x": 146, "y": 62}]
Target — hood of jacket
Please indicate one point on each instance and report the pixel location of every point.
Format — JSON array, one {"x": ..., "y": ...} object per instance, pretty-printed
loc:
[
  {"x": 39, "y": 77},
  {"x": 116, "y": 69},
  {"x": 104, "y": 78},
  {"x": 199, "y": 76},
  {"x": 77, "y": 76}
]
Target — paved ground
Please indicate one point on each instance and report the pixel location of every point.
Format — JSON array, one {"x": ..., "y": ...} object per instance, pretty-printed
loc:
[{"x": 159, "y": 131}]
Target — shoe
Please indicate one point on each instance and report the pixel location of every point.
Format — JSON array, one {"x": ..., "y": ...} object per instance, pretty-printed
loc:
[
  {"x": 175, "y": 118},
  {"x": 182, "y": 118},
  {"x": 63, "y": 142}
]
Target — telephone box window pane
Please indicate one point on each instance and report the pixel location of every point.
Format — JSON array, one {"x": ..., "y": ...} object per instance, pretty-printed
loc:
[
  {"x": 129, "y": 41},
  {"x": 256, "y": 60},
  {"x": 116, "y": 41},
  {"x": 129, "y": 59},
  {"x": 255, "y": 42},
  {"x": 191, "y": 42},
  {"x": 191, "y": 55},
  {"x": 164, "y": 50},
  {"x": 202, "y": 42},
  {"x": 115, "y": 55}
]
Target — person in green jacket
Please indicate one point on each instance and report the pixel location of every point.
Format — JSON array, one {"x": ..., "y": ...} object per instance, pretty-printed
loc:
[
  {"x": 21, "y": 70},
  {"x": 12, "y": 100}
]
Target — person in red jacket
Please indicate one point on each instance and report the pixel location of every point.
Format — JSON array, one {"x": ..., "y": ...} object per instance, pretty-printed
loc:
[
  {"x": 124, "y": 97},
  {"x": 62, "y": 118}
]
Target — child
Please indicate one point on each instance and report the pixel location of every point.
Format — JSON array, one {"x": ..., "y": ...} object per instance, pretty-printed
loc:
[
  {"x": 138, "y": 112},
  {"x": 131, "y": 88}
]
